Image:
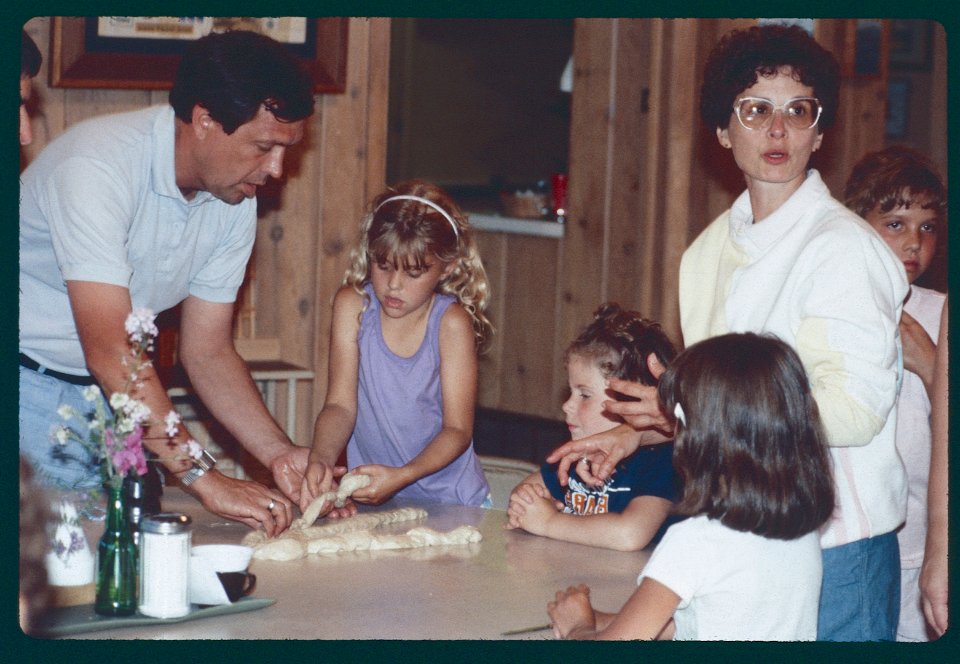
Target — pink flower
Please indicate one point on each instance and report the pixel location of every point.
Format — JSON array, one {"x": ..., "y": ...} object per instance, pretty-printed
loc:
[
  {"x": 130, "y": 455},
  {"x": 109, "y": 442}
]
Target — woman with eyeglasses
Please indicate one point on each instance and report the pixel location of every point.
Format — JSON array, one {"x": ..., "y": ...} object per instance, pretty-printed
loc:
[{"x": 790, "y": 260}]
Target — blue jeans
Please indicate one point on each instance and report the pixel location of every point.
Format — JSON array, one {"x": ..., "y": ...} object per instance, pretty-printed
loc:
[
  {"x": 68, "y": 466},
  {"x": 860, "y": 596}
]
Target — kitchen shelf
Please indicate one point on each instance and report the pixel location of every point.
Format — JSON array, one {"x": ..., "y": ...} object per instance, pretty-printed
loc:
[{"x": 495, "y": 223}]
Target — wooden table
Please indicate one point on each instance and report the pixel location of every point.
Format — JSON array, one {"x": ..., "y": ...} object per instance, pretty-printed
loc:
[{"x": 475, "y": 591}]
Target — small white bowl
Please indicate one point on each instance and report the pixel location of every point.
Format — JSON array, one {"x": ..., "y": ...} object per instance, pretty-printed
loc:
[{"x": 225, "y": 557}]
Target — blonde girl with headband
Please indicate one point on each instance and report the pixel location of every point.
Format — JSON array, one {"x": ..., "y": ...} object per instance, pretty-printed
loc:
[
  {"x": 756, "y": 486},
  {"x": 407, "y": 325}
]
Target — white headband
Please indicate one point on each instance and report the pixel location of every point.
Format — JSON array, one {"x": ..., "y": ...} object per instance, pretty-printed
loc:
[{"x": 428, "y": 203}]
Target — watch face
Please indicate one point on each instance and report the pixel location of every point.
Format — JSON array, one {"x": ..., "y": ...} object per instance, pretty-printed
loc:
[{"x": 206, "y": 461}]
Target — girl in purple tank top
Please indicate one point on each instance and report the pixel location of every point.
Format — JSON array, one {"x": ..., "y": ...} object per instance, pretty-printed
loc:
[{"x": 407, "y": 326}]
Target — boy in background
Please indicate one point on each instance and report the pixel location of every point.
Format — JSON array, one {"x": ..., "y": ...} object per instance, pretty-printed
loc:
[{"x": 902, "y": 197}]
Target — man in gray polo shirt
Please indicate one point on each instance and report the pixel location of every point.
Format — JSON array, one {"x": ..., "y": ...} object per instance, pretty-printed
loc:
[{"x": 151, "y": 209}]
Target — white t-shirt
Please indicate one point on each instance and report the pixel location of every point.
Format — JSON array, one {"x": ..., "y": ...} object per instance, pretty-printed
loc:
[
  {"x": 101, "y": 203},
  {"x": 737, "y": 586}
]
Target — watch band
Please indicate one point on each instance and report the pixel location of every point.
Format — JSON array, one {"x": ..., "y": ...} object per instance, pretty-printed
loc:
[
  {"x": 192, "y": 476},
  {"x": 201, "y": 465}
]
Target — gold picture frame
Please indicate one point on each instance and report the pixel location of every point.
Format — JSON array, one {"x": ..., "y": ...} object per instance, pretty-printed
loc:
[{"x": 73, "y": 65}]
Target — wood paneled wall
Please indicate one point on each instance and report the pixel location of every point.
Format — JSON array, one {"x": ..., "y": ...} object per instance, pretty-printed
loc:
[{"x": 645, "y": 178}]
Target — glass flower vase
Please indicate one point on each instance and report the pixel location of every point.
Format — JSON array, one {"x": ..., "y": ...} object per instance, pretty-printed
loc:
[{"x": 116, "y": 561}]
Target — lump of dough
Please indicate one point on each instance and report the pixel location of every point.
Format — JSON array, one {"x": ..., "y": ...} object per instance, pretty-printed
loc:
[
  {"x": 429, "y": 537},
  {"x": 313, "y": 510},
  {"x": 348, "y": 484},
  {"x": 282, "y": 549},
  {"x": 254, "y": 538}
]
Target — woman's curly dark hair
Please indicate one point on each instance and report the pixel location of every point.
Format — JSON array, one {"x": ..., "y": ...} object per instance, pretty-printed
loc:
[{"x": 742, "y": 55}]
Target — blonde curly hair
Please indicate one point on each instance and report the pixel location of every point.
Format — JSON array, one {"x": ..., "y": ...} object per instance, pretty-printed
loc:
[{"x": 405, "y": 232}]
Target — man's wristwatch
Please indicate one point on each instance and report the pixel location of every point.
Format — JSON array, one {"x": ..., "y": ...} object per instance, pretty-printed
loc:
[{"x": 205, "y": 462}]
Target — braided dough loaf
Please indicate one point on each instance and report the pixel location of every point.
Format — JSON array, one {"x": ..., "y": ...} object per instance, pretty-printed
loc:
[
  {"x": 364, "y": 540},
  {"x": 292, "y": 543},
  {"x": 353, "y": 534}
]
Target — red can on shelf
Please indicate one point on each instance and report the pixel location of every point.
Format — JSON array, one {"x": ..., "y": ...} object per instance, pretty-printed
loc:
[{"x": 558, "y": 195}]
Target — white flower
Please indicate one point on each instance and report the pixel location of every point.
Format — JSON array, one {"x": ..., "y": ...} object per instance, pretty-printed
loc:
[
  {"x": 193, "y": 449},
  {"x": 62, "y": 434},
  {"x": 91, "y": 392},
  {"x": 119, "y": 400},
  {"x": 138, "y": 411},
  {"x": 65, "y": 412},
  {"x": 172, "y": 423},
  {"x": 140, "y": 326}
]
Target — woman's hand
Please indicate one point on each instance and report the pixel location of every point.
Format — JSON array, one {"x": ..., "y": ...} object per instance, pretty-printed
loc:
[
  {"x": 596, "y": 456},
  {"x": 571, "y": 613},
  {"x": 642, "y": 413},
  {"x": 385, "y": 481}
]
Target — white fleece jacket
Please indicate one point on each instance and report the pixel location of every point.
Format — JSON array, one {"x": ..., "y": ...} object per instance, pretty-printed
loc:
[{"x": 818, "y": 277}]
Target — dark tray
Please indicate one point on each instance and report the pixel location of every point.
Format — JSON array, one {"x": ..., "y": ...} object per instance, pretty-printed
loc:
[{"x": 70, "y": 620}]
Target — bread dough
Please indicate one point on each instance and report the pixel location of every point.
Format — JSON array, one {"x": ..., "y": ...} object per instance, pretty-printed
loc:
[
  {"x": 364, "y": 540},
  {"x": 296, "y": 537},
  {"x": 348, "y": 484},
  {"x": 279, "y": 549},
  {"x": 354, "y": 534}
]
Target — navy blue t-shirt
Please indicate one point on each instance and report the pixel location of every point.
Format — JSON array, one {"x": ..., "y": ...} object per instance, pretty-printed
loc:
[{"x": 646, "y": 472}]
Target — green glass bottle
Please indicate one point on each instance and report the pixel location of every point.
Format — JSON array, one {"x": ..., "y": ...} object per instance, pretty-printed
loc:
[{"x": 116, "y": 561}]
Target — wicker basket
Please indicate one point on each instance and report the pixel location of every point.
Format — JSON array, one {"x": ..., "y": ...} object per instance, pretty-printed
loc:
[{"x": 523, "y": 205}]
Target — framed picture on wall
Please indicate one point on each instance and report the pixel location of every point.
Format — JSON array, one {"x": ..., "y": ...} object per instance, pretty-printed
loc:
[
  {"x": 910, "y": 44},
  {"x": 142, "y": 52},
  {"x": 898, "y": 104}
]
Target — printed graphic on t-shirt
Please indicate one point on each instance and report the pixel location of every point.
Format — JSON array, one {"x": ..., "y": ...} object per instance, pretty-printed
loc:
[{"x": 583, "y": 499}]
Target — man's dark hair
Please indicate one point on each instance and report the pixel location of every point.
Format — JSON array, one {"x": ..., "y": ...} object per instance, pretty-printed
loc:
[
  {"x": 232, "y": 74},
  {"x": 741, "y": 56},
  {"x": 30, "y": 57}
]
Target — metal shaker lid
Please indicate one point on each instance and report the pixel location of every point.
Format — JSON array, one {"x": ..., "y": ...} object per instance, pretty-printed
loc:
[{"x": 166, "y": 523}]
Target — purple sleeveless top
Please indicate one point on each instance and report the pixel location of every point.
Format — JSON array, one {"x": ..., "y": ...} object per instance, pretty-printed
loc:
[{"x": 400, "y": 410}]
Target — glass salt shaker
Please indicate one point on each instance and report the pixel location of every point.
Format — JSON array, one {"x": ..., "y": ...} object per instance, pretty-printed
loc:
[{"x": 165, "y": 540}]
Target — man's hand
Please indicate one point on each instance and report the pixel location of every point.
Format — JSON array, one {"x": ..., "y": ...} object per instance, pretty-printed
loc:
[
  {"x": 244, "y": 501},
  {"x": 288, "y": 469}
]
